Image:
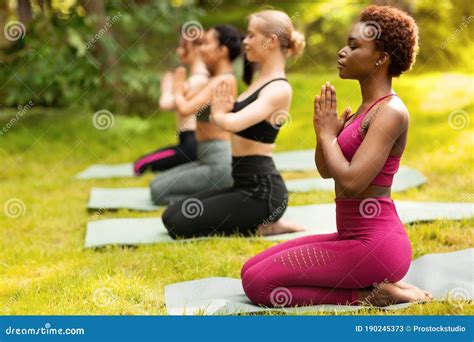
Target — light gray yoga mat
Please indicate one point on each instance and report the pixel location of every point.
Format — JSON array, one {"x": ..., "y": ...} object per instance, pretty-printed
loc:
[
  {"x": 140, "y": 198},
  {"x": 299, "y": 160},
  {"x": 107, "y": 171},
  {"x": 121, "y": 198},
  {"x": 445, "y": 275},
  {"x": 317, "y": 218}
]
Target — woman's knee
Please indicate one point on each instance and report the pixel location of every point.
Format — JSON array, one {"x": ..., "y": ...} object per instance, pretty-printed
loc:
[
  {"x": 178, "y": 223},
  {"x": 221, "y": 177},
  {"x": 161, "y": 191},
  {"x": 171, "y": 220},
  {"x": 156, "y": 191},
  {"x": 249, "y": 263},
  {"x": 255, "y": 286},
  {"x": 167, "y": 215}
]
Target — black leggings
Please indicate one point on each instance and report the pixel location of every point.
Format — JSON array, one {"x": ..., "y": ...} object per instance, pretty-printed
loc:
[
  {"x": 170, "y": 156},
  {"x": 258, "y": 196}
]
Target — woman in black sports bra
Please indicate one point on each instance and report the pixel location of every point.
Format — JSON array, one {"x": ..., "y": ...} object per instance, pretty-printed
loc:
[{"x": 259, "y": 197}]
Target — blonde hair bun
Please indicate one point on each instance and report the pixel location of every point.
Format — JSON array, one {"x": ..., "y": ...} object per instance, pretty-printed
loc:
[
  {"x": 280, "y": 24},
  {"x": 297, "y": 44}
]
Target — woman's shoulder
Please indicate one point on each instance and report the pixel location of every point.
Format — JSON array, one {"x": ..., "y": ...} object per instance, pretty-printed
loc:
[
  {"x": 393, "y": 112},
  {"x": 397, "y": 108},
  {"x": 278, "y": 89}
]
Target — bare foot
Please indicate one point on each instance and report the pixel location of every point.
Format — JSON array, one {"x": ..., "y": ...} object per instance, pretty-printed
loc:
[
  {"x": 281, "y": 226},
  {"x": 393, "y": 293},
  {"x": 402, "y": 284}
]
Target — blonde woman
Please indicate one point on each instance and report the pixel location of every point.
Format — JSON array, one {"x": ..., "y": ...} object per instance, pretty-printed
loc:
[{"x": 259, "y": 196}]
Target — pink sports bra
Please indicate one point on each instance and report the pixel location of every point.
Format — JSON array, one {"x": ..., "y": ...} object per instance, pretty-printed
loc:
[{"x": 350, "y": 138}]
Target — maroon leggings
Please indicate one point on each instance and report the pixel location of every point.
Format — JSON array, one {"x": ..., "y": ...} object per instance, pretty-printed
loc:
[{"x": 370, "y": 246}]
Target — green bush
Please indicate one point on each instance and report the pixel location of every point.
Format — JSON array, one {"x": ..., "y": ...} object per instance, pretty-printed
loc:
[
  {"x": 71, "y": 59},
  {"x": 445, "y": 28}
]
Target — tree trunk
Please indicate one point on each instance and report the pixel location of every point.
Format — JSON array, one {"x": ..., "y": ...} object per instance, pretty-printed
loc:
[{"x": 24, "y": 11}]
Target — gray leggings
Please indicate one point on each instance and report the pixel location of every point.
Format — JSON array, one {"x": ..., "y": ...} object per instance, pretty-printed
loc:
[{"x": 211, "y": 171}]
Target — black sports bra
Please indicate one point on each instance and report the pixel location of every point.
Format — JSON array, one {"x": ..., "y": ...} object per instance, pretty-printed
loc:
[{"x": 262, "y": 131}]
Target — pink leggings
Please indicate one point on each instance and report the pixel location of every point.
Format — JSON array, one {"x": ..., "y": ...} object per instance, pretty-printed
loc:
[{"x": 370, "y": 246}]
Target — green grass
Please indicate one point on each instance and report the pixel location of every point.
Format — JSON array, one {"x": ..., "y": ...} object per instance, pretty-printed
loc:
[{"x": 45, "y": 270}]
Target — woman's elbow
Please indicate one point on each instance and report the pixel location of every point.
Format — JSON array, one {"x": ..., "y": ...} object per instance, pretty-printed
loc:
[
  {"x": 323, "y": 171},
  {"x": 351, "y": 187},
  {"x": 229, "y": 126},
  {"x": 183, "y": 108},
  {"x": 183, "y": 111},
  {"x": 231, "y": 129},
  {"x": 324, "y": 174}
]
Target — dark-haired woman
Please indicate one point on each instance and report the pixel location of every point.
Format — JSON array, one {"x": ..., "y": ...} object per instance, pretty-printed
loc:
[
  {"x": 258, "y": 198},
  {"x": 370, "y": 253},
  {"x": 185, "y": 152},
  {"x": 212, "y": 169}
]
